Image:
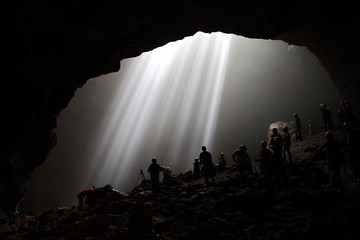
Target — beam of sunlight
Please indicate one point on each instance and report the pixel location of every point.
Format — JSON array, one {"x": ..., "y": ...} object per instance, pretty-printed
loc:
[{"x": 159, "y": 99}]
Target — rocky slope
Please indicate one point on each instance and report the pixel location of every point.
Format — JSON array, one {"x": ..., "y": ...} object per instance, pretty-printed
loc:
[{"x": 308, "y": 207}]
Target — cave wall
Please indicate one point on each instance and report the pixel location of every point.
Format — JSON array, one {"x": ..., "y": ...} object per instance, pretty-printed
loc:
[{"x": 53, "y": 48}]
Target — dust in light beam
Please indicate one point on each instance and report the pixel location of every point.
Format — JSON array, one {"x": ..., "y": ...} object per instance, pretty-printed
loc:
[{"x": 169, "y": 93}]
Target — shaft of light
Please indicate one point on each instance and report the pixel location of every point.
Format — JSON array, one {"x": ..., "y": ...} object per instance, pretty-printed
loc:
[{"x": 161, "y": 109}]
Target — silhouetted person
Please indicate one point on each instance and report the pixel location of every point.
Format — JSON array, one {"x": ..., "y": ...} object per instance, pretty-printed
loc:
[
  {"x": 327, "y": 116},
  {"x": 168, "y": 180},
  {"x": 266, "y": 160},
  {"x": 166, "y": 173},
  {"x": 311, "y": 128},
  {"x": 287, "y": 144},
  {"x": 196, "y": 168},
  {"x": 336, "y": 159},
  {"x": 242, "y": 158},
  {"x": 345, "y": 113},
  {"x": 353, "y": 142},
  {"x": 276, "y": 144},
  {"x": 207, "y": 165},
  {"x": 222, "y": 162},
  {"x": 297, "y": 127},
  {"x": 89, "y": 196},
  {"x": 140, "y": 219},
  {"x": 19, "y": 209},
  {"x": 154, "y": 170}
]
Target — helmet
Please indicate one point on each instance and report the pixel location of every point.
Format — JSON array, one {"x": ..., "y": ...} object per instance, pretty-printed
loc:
[{"x": 243, "y": 147}]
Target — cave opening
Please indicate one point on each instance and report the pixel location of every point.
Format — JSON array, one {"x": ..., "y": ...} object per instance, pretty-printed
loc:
[{"x": 218, "y": 90}]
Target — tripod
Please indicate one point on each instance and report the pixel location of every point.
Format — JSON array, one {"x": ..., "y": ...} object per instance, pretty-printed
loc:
[{"x": 141, "y": 174}]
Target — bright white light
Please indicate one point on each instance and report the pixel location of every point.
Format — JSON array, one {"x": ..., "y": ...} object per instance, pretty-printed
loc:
[{"x": 159, "y": 97}]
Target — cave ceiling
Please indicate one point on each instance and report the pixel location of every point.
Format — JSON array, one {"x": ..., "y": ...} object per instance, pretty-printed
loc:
[{"x": 53, "y": 48}]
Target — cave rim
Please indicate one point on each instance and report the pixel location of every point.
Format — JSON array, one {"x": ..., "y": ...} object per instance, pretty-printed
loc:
[{"x": 221, "y": 33}]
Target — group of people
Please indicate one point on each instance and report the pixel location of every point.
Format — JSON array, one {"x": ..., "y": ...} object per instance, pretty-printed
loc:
[{"x": 273, "y": 155}]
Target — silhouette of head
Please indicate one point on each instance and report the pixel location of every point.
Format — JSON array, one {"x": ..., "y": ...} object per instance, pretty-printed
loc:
[
  {"x": 263, "y": 144},
  {"x": 295, "y": 115},
  {"x": 286, "y": 129},
  {"x": 274, "y": 130},
  {"x": 140, "y": 198},
  {"x": 154, "y": 160},
  {"x": 347, "y": 126},
  {"x": 243, "y": 147},
  {"x": 203, "y": 148},
  {"x": 197, "y": 159},
  {"x": 329, "y": 136}
]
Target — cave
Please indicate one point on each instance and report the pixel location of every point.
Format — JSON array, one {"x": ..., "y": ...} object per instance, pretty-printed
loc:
[{"x": 52, "y": 49}]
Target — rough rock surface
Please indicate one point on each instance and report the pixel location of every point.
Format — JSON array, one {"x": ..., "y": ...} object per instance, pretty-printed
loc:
[
  {"x": 309, "y": 207},
  {"x": 53, "y": 48}
]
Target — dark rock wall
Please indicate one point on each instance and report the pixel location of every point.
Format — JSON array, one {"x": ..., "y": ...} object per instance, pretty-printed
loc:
[{"x": 53, "y": 48}]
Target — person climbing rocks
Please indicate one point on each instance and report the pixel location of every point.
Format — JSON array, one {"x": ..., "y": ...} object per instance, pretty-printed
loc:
[{"x": 89, "y": 196}]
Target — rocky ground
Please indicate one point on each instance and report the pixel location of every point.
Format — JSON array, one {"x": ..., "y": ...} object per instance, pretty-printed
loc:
[{"x": 308, "y": 207}]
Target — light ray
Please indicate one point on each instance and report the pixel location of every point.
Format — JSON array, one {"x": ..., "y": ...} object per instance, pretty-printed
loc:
[{"x": 158, "y": 99}]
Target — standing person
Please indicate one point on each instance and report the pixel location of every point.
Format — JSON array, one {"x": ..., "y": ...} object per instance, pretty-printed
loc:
[
  {"x": 327, "y": 116},
  {"x": 287, "y": 144},
  {"x": 196, "y": 168},
  {"x": 311, "y": 128},
  {"x": 242, "y": 158},
  {"x": 297, "y": 127},
  {"x": 336, "y": 159},
  {"x": 207, "y": 165},
  {"x": 349, "y": 115},
  {"x": 154, "y": 170},
  {"x": 353, "y": 146},
  {"x": 266, "y": 160},
  {"x": 19, "y": 209},
  {"x": 276, "y": 144}
]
